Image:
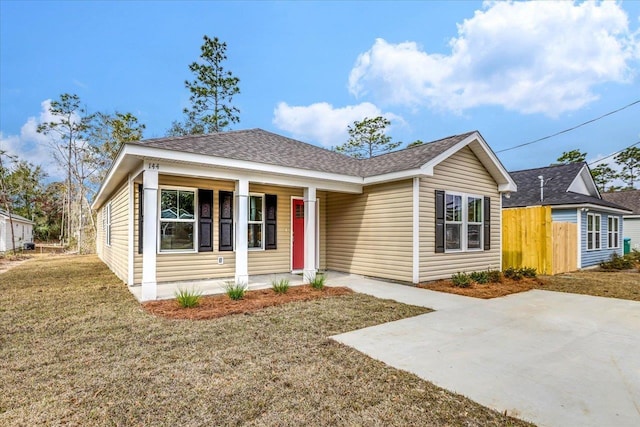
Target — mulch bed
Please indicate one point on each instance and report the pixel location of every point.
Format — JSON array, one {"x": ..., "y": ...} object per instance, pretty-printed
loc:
[
  {"x": 486, "y": 291},
  {"x": 214, "y": 306}
]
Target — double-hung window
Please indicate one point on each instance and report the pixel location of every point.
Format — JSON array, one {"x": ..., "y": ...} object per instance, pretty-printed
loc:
[
  {"x": 464, "y": 221},
  {"x": 454, "y": 223},
  {"x": 593, "y": 231},
  {"x": 177, "y": 219},
  {"x": 474, "y": 222},
  {"x": 614, "y": 232},
  {"x": 256, "y": 221}
]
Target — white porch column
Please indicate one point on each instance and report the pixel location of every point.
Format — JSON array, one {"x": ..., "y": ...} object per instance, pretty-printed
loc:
[
  {"x": 242, "y": 253},
  {"x": 310, "y": 210},
  {"x": 150, "y": 234}
]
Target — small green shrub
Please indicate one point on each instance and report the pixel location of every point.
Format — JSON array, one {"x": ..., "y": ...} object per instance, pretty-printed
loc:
[
  {"x": 480, "y": 277},
  {"x": 235, "y": 291},
  {"x": 634, "y": 255},
  {"x": 617, "y": 262},
  {"x": 188, "y": 298},
  {"x": 280, "y": 286},
  {"x": 513, "y": 273},
  {"x": 317, "y": 281},
  {"x": 461, "y": 280},
  {"x": 495, "y": 276},
  {"x": 529, "y": 272}
]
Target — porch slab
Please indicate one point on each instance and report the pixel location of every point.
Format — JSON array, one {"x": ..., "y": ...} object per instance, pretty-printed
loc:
[{"x": 215, "y": 286}]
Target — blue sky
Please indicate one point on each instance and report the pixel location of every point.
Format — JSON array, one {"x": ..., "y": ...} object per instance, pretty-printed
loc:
[{"x": 514, "y": 71}]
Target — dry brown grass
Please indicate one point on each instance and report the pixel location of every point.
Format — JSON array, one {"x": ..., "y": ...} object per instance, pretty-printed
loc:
[
  {"x": 77, "y": 349},
  {"x": 623, "y": 284}
]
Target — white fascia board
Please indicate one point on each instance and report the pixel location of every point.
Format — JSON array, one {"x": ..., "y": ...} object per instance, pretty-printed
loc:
[
  {"x": 631, "y": 216},
  {"x": 484, "y": 153},
  {"x": 256, "y": 177},
  {"x": 114, "y": 176},
  {"x": 591, "y": 206},
  {"x": 394, "y": 176},
  {"x": 180, "y": 156}
]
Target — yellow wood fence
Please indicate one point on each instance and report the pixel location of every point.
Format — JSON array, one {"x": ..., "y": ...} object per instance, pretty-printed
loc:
[{"x": 531, "y": 239}]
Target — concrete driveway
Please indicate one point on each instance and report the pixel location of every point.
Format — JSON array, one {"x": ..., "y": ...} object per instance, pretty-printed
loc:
[{"x": 551, "y": 358}]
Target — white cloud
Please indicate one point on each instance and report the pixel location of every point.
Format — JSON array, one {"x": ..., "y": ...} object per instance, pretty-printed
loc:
[
  {"x": 531, "y": 57},
  {"x": 321, "y": 122},
  {"x": 32, "y": 146}
]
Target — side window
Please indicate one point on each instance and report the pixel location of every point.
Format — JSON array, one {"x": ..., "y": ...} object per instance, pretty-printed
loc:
[
  {"x": 177, "y": 219},
  {"x": 593, "y": 231},
  {"x": 461, "y": 222},
  {"x": 256, "y": 222},
  {"x": 107, "y": 224},
  {"x": 614, "y": 232}
]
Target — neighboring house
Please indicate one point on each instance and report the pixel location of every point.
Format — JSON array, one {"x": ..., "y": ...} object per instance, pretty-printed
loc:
[
  {"x": 250, "y": 202},
  {"x": 578, "y": 222},
  {"x": 22, "y": 231},
  {"x": 630, "y": 199}
]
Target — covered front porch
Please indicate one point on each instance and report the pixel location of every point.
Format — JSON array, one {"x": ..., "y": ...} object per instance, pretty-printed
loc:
[{"x": 161, "y": 272}]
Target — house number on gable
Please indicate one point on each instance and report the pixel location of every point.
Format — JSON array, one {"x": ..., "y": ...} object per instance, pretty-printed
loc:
[{"x": 154, "y": 166}]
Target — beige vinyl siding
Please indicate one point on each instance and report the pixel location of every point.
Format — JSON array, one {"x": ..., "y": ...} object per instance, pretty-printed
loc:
[
  {"x": 173, "y": 267},
  {"x": 371, "y": 233},
  {"x": 462, "y": 172},
  {"x": 115, "y": 256},
  {"x": 275, "y": 260},
  {"x": 322, "y": 223}
]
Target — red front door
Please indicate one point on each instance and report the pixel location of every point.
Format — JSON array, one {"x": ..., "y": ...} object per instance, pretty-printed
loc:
[{"x": 297, "y": 226}]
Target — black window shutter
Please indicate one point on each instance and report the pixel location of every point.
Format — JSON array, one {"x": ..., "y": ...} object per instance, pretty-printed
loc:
[
  {"x": 205, "y": 220},
  {"x": 271, "y": 231},
  {"x": 225, "y": 225},
  {"x": 140, "y": 216},
  {"x": 487, "y": 223},
  {"x": 439, "y": 221}
]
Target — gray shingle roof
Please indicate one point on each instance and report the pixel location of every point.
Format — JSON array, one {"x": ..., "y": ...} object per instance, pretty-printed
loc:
[
  {"x": 630, "y": 199},
  {"x": 557, "y": 179},
  {"x": 260, "y": 146}
]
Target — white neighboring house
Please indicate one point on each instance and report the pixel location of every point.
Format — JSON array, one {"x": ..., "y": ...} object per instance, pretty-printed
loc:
[
  {"x": 22, "y": 231},
  {"x": 630, "y": 199}
]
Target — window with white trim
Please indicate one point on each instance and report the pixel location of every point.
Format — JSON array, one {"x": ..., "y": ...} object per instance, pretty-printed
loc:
[
  {"x": 614, "y": 232},
  {"x": 255, "y": 221},
  {"x": 177, "y": 219},
  {"x": 464, "y": 222},
  {"x": 593, "y": 231},
  {"x": 107, "y": 224}
]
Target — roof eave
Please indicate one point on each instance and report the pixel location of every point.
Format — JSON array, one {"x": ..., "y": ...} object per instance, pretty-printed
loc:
[
  {"x": 590, "y": 206},
  {"x": 131, "y": 155}
]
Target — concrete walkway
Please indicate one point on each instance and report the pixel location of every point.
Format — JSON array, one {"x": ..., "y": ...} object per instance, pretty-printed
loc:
[{"x": 551, "y": 358}]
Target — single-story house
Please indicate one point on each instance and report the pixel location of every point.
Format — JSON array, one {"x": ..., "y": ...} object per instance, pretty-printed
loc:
[
  {"x": 579, "y": 220},
  {"x": 251, "y": 202},
  {"x": 22, "y": 231},
  {"x": 630, "y": 199}
]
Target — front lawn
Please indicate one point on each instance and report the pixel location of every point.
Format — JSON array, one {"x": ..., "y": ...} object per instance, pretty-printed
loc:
[
  {"x": 76, "y": 348},
  {"x": 618, "y": 284}
]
